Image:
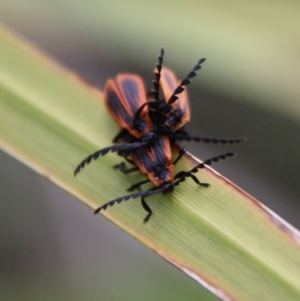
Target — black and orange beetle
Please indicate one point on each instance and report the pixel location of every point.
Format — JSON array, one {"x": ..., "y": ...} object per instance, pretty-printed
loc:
[
  {"x": 124, "y": 97},
  {"x": 126, "y": 100},
  {"x": 149, "y": 125},
  {"x": 172, "y": 110},
  {"x": 155, "y": 161}
]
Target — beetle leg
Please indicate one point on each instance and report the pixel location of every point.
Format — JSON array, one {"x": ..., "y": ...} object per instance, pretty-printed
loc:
[
  {"x": 147, "y": 208},
  {"x": 137, "y": 185},
  {"x": 181, "y": 153},
  {"x": 118, "y": 136},
  {"x": 196, "y": 180},
  {"x": 122, "y": 168}
]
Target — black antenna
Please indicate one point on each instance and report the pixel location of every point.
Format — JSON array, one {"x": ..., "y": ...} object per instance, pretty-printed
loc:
[
  {"x": 167, "y": 187},
  {"x": 155, "y": 91},
  {"x": 184, "y": 174},
  {"x": 208, "y": 140},
  {"x": 186, "y": 81},
  {"x": 142, "y": 194},
  {"x": 122, "y": 147}
]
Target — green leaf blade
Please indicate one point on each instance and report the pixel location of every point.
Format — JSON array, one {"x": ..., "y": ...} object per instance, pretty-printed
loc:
[{"x": 219, "y": 235}]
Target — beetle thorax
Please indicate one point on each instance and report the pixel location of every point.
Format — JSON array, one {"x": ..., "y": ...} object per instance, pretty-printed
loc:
[{"x": 162, "y": 175}]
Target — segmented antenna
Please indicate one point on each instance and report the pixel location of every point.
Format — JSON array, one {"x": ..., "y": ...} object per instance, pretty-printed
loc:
[
  {"x": 122, "y": 147},
  {"x": 142, "y": 194},
  {"x": 185, "y": 81},
  {"x": 155, "y": 91},
  {"x": 209, "y": 140},
  {"x": 184, "y": 174},
  {"x": 181, "y": 176}
]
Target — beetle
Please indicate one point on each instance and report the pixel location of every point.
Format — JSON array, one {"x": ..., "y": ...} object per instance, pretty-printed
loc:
[
  {"x": 173, "y": 108},
  {"x": 155, "y": 161},
  {"x": 126, "y": 100}
]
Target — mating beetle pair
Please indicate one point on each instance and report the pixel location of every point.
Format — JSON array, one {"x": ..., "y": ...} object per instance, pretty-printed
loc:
[{"x": 148, "y": 127}]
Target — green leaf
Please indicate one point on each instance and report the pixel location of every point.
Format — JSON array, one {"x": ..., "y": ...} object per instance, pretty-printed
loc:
[{"x": 220, "y": 236}]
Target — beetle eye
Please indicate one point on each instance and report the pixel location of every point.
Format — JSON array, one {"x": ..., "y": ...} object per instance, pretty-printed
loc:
[
  {"x": 139, "y": 125},
  {"x": 174, "y": 118}
]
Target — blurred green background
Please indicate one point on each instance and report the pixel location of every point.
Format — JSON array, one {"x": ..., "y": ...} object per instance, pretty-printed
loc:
[{"x": 53, "y": 248}]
